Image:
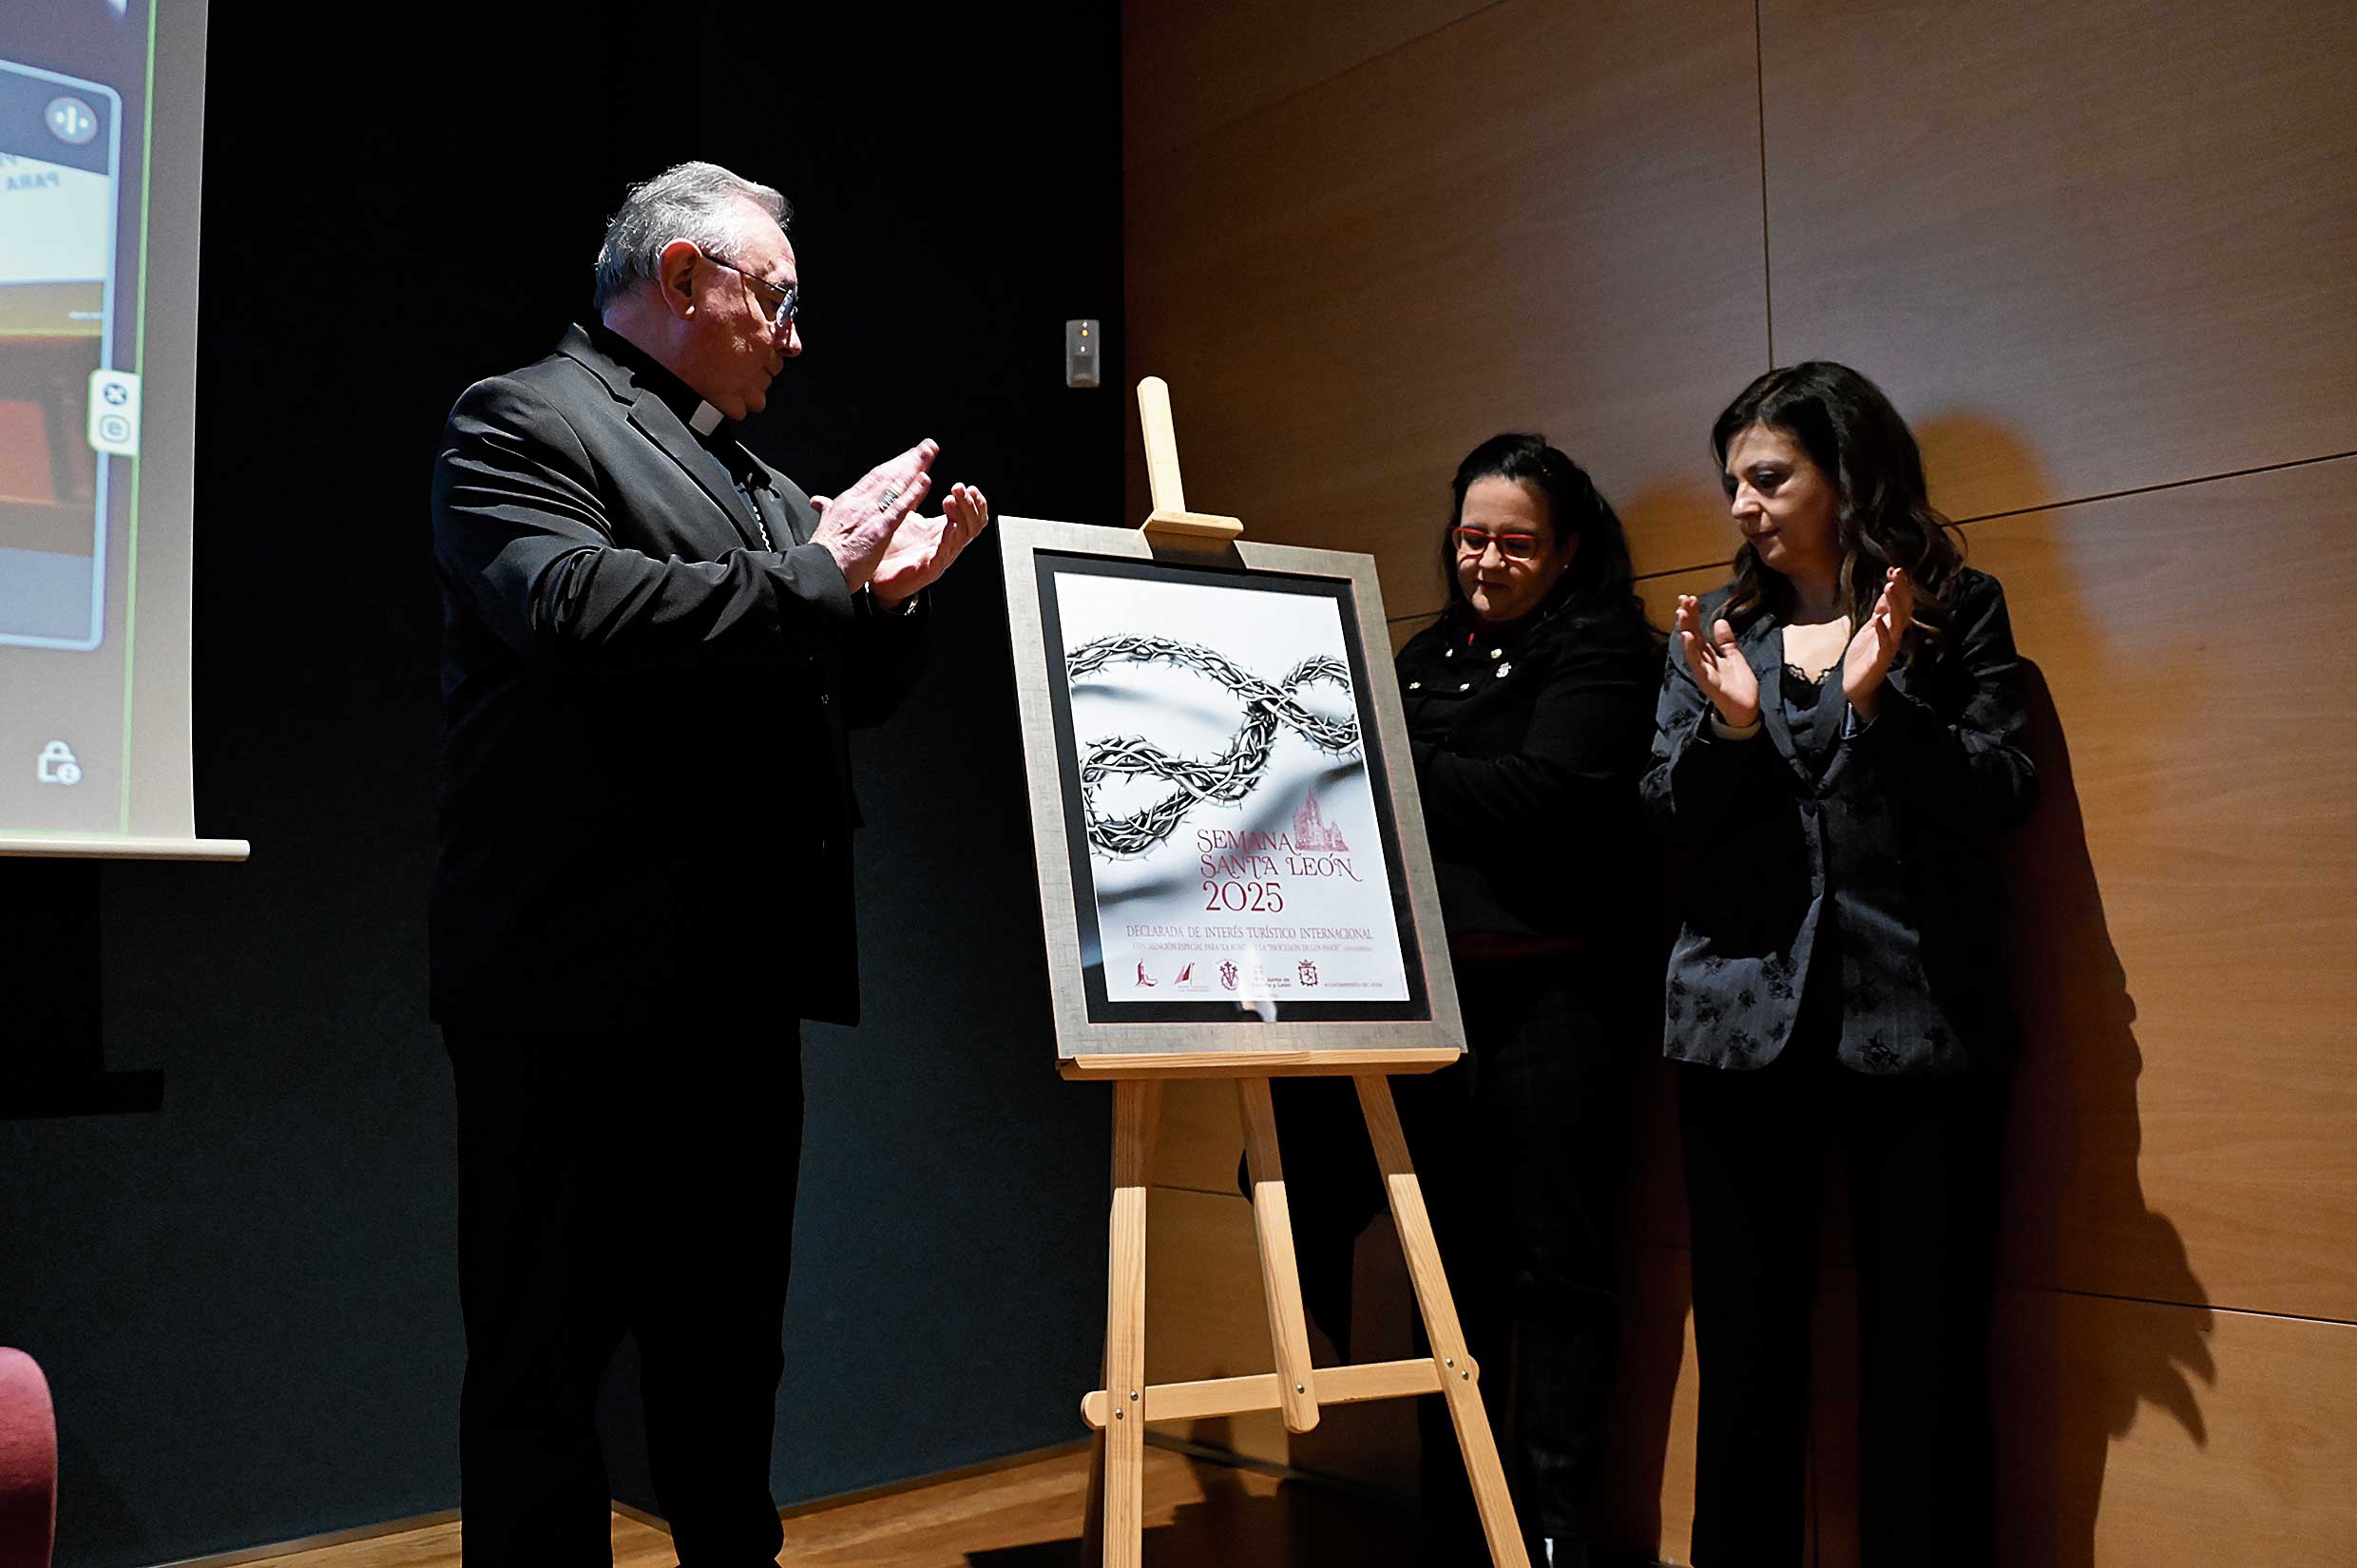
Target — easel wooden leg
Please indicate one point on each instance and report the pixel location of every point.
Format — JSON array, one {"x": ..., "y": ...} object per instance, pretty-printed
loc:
[
  {"x": 1280, "y": 1275},
  {"x": 1460, "y": 1379},
  {"x": 1136, "y": 1109},
  {"x": 1092, "y": 1518}
]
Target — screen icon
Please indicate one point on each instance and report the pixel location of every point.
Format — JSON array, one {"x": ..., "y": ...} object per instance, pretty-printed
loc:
[
  {"x": 72, "y": 120},
  {"x": 114, "y": 412},
  {"x": 56, "y": 765}
]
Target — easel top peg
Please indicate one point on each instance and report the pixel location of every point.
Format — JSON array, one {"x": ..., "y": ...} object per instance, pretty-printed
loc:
[{"x": 1170, "y": 520}]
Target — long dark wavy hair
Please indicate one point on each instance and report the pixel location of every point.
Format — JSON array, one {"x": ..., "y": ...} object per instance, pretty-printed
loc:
[
  {"x": 1884, "y": 516},
  {"x": 1600, "y": 581}
]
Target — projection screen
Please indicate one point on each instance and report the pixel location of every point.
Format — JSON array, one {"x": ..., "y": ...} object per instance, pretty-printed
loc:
[{"x": 101, "y": 122}]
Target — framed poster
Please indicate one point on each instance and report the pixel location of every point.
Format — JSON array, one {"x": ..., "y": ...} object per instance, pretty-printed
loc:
[{"x": 1232, "y": 856}]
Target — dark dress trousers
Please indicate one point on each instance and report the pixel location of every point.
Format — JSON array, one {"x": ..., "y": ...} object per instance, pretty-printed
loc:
[
  {"x": 1835, "y": 989},
  {"x": 1527, "y": 742},
  {"x": 644, "y": 884}
]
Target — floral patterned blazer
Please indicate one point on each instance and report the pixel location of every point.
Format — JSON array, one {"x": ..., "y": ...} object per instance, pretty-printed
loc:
[{"x": 1874, "y": 855}]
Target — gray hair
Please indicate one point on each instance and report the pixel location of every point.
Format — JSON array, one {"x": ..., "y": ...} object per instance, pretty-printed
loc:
[{"x": 691, "y": 202}]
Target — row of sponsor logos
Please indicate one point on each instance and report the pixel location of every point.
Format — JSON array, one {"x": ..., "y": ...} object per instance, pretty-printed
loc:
[{"x": 1228, "y": 977}]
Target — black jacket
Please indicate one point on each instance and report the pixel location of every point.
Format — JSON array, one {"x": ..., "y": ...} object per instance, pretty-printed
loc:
[
  {"x": 1527, "y": 745},
  {"x": 645, "y": 793},
  {"x": 1887, "y": 856}
]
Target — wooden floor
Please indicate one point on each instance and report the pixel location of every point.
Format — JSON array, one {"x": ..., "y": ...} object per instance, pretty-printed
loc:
[{"x": 1025, "y": 1515}]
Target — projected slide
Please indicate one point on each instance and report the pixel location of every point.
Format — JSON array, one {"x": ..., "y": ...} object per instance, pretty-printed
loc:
[
  {"x": 101, "y": 150},
  {"x": 65, "y": 401}
]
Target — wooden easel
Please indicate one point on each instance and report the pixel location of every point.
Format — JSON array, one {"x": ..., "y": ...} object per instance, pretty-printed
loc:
[{"x": 1119, "y": 1411}]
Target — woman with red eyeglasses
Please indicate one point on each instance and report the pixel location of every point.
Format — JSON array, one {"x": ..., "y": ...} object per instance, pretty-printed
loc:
[{"x": 1529, "y": 710}]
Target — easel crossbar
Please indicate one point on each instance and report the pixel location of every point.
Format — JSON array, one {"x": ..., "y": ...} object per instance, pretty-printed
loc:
[
  {"x": 1118, "y": 1413},
  {"x": 1233, "y": 1396}
]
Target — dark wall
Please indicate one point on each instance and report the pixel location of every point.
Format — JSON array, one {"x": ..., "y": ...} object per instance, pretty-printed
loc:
[{"x": 245, "y": 1300}]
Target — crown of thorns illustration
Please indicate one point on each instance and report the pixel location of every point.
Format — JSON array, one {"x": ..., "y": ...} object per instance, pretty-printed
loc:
[{"x": 1269, "y": 707}]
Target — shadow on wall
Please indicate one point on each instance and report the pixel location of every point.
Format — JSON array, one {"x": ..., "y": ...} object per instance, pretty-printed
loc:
[
  {"x": 2072, "y": 1371},
  {"x": 2073, "y": 1188},
  {"x": 2071, "y": 1362}
]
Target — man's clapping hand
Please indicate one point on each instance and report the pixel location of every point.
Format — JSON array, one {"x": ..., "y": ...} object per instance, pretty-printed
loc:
[
  {"x": 856, "y": 527},
  {"x": 923, "y": 547},
  {"x": 875, "y": 536}
]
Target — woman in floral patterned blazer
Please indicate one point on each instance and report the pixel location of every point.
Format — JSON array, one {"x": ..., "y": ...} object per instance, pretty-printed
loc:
[{"x": 1837, "y": 746}]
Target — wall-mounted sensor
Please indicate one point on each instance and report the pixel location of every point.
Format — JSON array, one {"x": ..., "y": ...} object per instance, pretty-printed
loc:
[{"x": 1083, "y": 342}]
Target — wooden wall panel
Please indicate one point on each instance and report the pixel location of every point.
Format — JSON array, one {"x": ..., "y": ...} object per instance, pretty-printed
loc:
[
  {"x": 1189, "y": 68},
  {"x": 1203, "y": 1136},
  {"x": 2103, "y": 245},
  {"x": 1205, "y": 1316},
  {"x": 1660, "y": 593},
  {"x": 1373, "y": 1444},
  {"x": 2130, "y": 1433},
  {"x": 2088, "y": 250},
  {"x": 2135, "y": 1434},
  {"x": 1544, "y": 217},
  {"x": 2188, "y": 898}
]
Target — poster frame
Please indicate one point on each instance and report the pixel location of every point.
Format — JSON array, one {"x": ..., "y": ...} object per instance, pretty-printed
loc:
[{"x": 1246, "y": 1044}]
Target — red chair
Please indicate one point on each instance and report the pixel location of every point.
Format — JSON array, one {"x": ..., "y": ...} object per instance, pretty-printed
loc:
[{"x": 28, "y": 1463}]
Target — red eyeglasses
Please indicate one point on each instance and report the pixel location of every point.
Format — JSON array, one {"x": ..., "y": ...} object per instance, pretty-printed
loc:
[{"x": 1514, "y": 547}]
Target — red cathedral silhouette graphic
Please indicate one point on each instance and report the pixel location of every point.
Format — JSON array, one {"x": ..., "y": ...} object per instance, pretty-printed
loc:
[{"x": 1313, "y": 831}]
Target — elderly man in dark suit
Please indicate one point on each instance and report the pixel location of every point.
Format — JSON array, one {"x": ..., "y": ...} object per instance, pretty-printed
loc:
[{"x": 654, "y": 643}]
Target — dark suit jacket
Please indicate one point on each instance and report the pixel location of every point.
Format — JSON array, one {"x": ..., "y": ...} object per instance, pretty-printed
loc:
[
  {"x": 1527, "y": 743},
  {"x": 1889, "y": 852},
  {"x": 645, "y": 793}
]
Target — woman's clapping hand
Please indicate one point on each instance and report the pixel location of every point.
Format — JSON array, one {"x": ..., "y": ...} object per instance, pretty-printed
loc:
[
  {"x": 1876, "y": 644},
  {"x": 1717, "y": 665}
]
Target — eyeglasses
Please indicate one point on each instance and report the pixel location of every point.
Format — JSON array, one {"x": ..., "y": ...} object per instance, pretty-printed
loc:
[
  {"x": 1514, "y": 547},
  {"x": 789, "y": 303}
]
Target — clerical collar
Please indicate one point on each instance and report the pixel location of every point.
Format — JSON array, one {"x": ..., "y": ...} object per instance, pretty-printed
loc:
[{"x": 681, "y": 398}]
